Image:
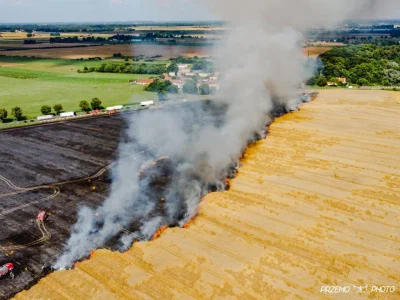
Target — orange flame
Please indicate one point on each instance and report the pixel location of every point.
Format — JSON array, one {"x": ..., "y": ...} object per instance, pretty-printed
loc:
[
  {"x": 159, "y": 232},
  {"x": 91, "y": 254},
  {"x": 75, "y": 265},
  {"x": 191, "y": 220}
]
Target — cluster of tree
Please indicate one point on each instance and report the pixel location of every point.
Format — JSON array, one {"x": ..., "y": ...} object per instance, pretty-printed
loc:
[
  {"x": 69, "y": 39},
  {"x": 93, "y": 39},
  {"x": 55, "y": 34},
  {"x": 395, "y": 33},
  {"x": 3, "y": 114},
  {"x": 204, "y": 65},
  {"x": 382, "y": 26},
  {"x": 15, "y": 111},
  {"x": 153, "y": 69},
  {"x": 190, "y": 87},
  {"x": 362, "y": 64},
  {"x": 93, "y": 105},
  {"x": 198, "y": 64},
  {"x": 162, "y": 86},
  {"x": 378, "y": 41},
  {"x": 75, "y": 39},
  {"x": 161, "y": 35},
  {"x": 46, "y": 110},
  {"x": 186, "y": 60},
  {"x": 95, "y": 58},
  {"x": 122, "y": 37},
  {"x": 29, "y": 42},
  {"x": 173, "y": 68}
]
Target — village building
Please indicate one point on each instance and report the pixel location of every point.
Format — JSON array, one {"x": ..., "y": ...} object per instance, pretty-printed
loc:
[
  {"x": 144, "y": 81},
  {"x": 178, "y": 82},
  {"x": 213, "y": 84}
]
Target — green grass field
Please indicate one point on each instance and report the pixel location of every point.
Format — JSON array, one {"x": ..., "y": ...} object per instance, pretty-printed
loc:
[{"x": 31, "y": 83}]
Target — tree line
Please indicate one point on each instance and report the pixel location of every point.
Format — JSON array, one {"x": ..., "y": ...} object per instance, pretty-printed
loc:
[
  {"x": 361, "y": 64},
  {"x": 127, "y": 68},
  {"x": 83, "y": 105},
  {"x": 18, "y": 115},
  {"x": 75, "y": 39},
  {"x": 16, "y": 112}
]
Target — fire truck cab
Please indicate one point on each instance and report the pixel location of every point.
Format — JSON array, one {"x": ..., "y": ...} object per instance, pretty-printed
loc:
[
  {"x": 7, "y": 269},
  {"x": 42, "y": 216}
]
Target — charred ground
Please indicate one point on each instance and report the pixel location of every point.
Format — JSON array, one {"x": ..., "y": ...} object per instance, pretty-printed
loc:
[{"x": 41, "y": 156}]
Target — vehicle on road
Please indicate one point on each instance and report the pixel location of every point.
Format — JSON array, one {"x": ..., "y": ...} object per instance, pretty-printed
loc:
[
  {"x": 146, "y": 103},
  {"x": 44, "y": 118},
  {"x": 68, "y": 114},
  {"x": 7, "y": 269},
  {"x": 42, "y": 216}
]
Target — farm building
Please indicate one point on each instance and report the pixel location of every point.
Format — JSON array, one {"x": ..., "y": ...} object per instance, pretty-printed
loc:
[
  {"x": 167, "y": 77},
  {"x": 144, "y": 81}
]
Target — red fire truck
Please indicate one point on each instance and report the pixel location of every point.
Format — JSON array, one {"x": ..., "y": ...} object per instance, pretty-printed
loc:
[
  {"x": 7, "y": 269},
  {"x": 42, "y": 216}
]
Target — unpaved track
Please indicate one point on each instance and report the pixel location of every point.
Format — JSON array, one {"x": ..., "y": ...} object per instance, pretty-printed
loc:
[
  {"x": 20, "y": 189},
  {"x": 46, "y": 235},
  {"x": 54, "y": 186}
]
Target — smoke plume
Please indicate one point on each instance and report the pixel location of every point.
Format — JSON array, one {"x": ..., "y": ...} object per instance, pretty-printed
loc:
[{"x": 262, "y": 65}]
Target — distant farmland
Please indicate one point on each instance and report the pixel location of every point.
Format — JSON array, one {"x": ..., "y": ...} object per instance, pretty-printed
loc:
[
  {"x": 166, "y": 51},
  {"x": 315, "y": 51}
]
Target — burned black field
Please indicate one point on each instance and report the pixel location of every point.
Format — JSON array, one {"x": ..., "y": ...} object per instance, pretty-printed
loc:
[
  {"x": 49, "y": 156},
  {"x": 56, "y": 168}
]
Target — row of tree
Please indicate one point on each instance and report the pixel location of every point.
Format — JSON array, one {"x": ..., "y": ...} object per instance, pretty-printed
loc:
[
  {"x": 75, "y": 39},
  {"x": 362, "y": 64},
  {"x": 83, "y": 105},
  {"x": 94, "y": 104},
  {"x": 16, "y": 112},
  {"x": 46, "y": 110},
  {"x": 127, "y": 68}
]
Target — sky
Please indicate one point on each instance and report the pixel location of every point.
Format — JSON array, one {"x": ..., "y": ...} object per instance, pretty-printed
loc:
[{"x": 25, "y": 11}]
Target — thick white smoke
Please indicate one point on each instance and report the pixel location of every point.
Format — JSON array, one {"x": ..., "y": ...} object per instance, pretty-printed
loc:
[{"x": 262, "y": 65}]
